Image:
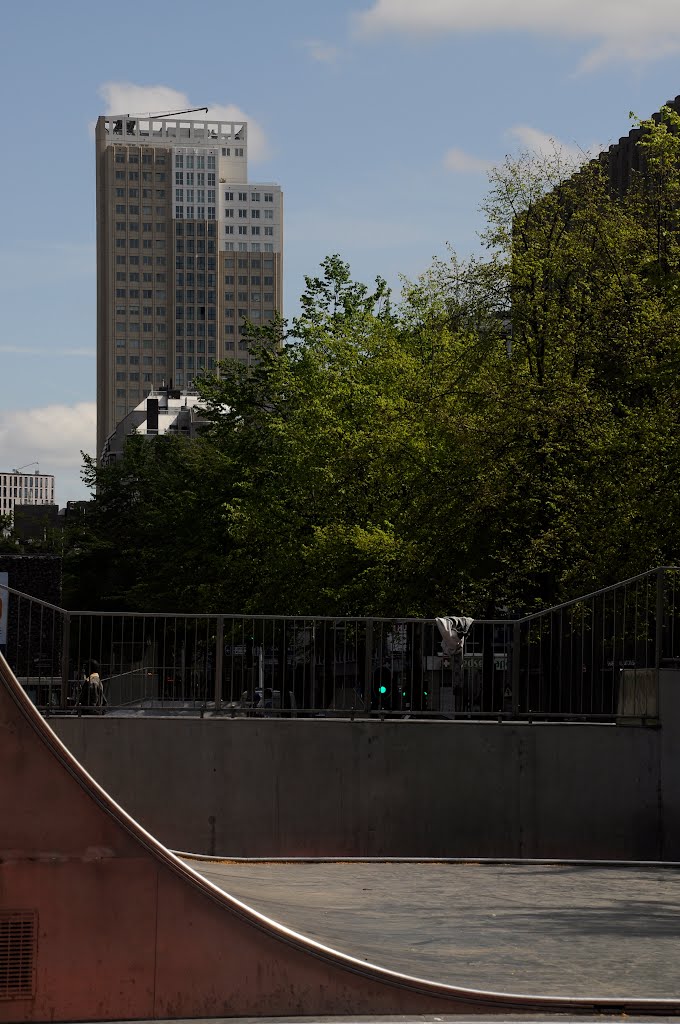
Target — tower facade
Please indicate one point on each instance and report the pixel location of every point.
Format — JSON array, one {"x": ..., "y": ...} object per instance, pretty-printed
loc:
[{"x": 187, "y": 249}]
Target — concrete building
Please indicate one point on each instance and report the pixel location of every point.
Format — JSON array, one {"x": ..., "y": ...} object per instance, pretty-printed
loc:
[
  {"x": 163, "y": 411},
  {"x": 187, "y": 249},
  {"x": 18, "y": 488},
  {"x": 624, "y": 157}
]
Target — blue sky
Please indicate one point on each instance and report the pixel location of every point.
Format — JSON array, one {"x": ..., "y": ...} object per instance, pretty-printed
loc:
[{"x": 377, "y": 117}]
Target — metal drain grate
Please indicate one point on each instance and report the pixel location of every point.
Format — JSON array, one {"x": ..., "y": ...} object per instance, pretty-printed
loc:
[{"x": 18, "y": 931}]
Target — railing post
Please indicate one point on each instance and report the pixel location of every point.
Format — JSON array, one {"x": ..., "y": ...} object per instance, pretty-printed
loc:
[
  {"x": 65, "y": 656},
  {"x": 368, "y": 665},
  {"x": 515, "y": 667},
  {"x": 659, "y": 617},
  {"x": 219, "y": 654}
]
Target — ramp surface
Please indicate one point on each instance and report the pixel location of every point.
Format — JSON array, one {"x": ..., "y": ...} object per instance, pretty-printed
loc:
[
  {"x": 547, "y": 928},
  {"x": 98, "y": 921}
]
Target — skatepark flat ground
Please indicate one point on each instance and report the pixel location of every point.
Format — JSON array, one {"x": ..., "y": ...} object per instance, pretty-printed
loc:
[{"x": 542, "y": 929}]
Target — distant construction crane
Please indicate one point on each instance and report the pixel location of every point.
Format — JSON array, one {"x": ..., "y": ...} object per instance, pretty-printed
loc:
[
  {"x": 169, "y": 113},
  {"x": 131, "y": 119},
  {"x": 15, "y": 470}
]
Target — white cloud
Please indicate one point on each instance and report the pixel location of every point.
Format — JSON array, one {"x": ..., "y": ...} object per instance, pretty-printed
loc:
[
  {"x": 623, "y": 29},
  {"x": 536, "y": 141},
  {"x": 129, "y": 98},
  {"x": 323, "y": 53},
  {"x": 465, "y": 163},
  {"x": 525, "y": 137},
  {"x": 53, "y": 435}
]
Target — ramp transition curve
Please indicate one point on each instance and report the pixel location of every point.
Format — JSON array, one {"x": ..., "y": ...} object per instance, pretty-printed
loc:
[{"x": 99, "y": 921}]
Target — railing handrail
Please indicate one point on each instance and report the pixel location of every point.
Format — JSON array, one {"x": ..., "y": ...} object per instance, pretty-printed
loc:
[
  {"x": 601, "y": 590},
  {"x": 36, "y": 600},
  {"x": 341, "y": 618}
]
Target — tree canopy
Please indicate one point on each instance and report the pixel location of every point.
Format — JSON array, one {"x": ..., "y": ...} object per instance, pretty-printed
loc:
[{"x": 504, "y": 435}]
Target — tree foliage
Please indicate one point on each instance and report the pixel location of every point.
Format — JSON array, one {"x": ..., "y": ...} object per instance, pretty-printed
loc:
[{"x": 506, "y": 434}]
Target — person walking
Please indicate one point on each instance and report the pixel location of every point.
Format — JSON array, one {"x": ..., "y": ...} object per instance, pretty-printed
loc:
[{"x": 91, "y": 698}]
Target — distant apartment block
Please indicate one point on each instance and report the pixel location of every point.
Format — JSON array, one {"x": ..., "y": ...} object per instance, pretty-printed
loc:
[
  {"x": 18, "y": 488},
  {"x": 187, "y": 249},
  {"x": 163, "y": 412}
]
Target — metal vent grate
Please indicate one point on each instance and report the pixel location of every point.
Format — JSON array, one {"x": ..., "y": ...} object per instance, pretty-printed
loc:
[{"x": 18, "y": 931}]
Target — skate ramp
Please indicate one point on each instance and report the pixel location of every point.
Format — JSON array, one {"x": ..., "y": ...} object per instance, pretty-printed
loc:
[{"x": 98, "y": 921}]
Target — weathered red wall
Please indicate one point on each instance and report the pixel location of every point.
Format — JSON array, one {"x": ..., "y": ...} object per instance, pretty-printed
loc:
[{"x": 127, "y": 931}]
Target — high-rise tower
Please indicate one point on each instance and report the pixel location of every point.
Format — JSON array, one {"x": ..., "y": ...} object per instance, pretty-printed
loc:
[{"x": 186, "y": 249}]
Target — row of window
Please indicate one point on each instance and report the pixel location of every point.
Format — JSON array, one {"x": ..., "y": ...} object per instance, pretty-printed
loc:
[
  {"x": 200, "y": 329},
  {"x": 243, "y": 247},
  {"x": 134, "y": 276},
  {"x": 133, "y": 243},
  {"x": 195, "y": 179},
  {"x": 133, "y": 225},
  {"x": 243, "y": 230},
  {"x": 254, "y": 214},
  {"x": 146, "y": 360},
  {"x": 132, "y": 327},
  {"x": 198, "y": 246},
  {"x": 133, "y": 193},
  {"x": 232, "y": 150},
  {"x": 190, "y": 161},
  {"x": 243, "y": 264},
  {"x": 195, "y": 213},
  {"x": 200, "y": 280},
  {"x": 133, "y": 210},
  {"x": 199, "y": 230},
  {"x": 195, "y": 195},
  {"x": 146, "y": 176},
  {"x": 133, "y": 157},
  {"x": 198, "y": 346},
  {"x": 243, "y": 297},
  {"x": 254, "y": 280},
  {"x": 243, "y": 197}
]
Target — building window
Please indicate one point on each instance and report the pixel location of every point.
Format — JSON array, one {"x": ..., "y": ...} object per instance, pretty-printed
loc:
[
  {"x": 268, "y": 247},
  {"x": 254, "y": 246},
  {"x": 269, "y": 197},
  {"x": 179, "y": 160},
  {"x": 243, "y": 197},
  {"x": 238, "y": 151},
  {"x": 211, "y": 163},
  {"x": 255, "y": 231},
  {"x": 269, "y": 231}
]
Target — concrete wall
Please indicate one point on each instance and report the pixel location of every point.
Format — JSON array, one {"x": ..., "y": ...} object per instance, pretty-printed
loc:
[{"x": 402, "y": 788}]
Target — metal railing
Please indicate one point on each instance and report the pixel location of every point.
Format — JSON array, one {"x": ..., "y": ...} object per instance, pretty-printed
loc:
[{"x": 595, "y": 658}]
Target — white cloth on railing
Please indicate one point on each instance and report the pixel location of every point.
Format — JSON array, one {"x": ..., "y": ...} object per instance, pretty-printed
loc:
[{"x": 453, "y": 630}]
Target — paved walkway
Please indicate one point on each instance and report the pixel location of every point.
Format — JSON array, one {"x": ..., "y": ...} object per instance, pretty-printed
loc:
[{"x": 562, "y": 930}]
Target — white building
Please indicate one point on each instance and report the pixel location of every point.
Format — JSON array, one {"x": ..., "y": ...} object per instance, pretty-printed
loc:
[
  {"x": 18, "y": 488},
  {"x": 187, "y": 249},
  {"x": 163, "y": 411}
]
